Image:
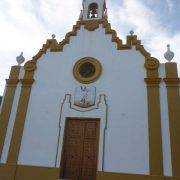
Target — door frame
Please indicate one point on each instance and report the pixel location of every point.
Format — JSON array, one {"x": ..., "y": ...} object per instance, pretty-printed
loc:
[
  {"x": 62, "y": 162},
  {"x": 100, "y": 110}
]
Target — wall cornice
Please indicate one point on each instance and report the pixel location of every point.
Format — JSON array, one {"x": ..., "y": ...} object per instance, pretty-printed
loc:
[
  {"x": 27, "y": 82},
  {"x": 172, "y": 81},
  {"x": 152, "y": 81},
  {"x": 12, "y": 82}
]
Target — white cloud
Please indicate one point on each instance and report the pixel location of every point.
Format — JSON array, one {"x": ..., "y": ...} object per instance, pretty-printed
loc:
[
  {"x": 135, "y": 15},
  {"x": 170, "y": 5},
  {"x": 25, "y": 26}
]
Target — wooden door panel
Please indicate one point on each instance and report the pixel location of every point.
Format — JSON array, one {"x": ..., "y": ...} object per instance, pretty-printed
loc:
[
  {"x": 75, "y": 129},
  {"x": 89, "y": 153},
  {"x": 88, "y": 174},
  {"x": 71, "y": 173},
  {"x": 90, "y": 150},
  {"x": 72, "y": 147},
  {"x": 72, "y": 153},
  {"x": 90, "y": 130},
  {"x": 89, "y": 161},
  {"x": 73, "y": 159},
  {"x": 80, "y": 149}
]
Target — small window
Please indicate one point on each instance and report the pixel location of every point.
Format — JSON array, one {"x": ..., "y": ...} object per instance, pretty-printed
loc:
[
  {"x": 93, "y": 11},
  {"x": 87, "y": 70}
]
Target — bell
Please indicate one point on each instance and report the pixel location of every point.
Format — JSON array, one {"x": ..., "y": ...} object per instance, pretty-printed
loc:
[{"x": 93, "y": 12}]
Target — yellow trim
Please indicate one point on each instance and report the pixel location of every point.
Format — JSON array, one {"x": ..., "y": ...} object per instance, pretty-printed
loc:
[
  {"x": 7, "y": 103},
  {"x": 18, "y": 128},
  {"x": 19, "y": 121},
  {"x": 30, "y": 66},
  {"x": 152, "y": 64},
  {"x": 79, "y": 77},
  {"x": 123, "y": 176},
  {"x": 22, "y": 172},
  {"x": 154, "y": 117},
  {"x": 153, "y": 82},
  {"x": 91, "y": 25},
  {"x": 172, "y": 83},
  {"x": 54, "y": 46}
]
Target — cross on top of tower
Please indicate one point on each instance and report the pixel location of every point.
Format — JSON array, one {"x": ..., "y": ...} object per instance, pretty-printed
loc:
[{"x": 93, "y": 9}]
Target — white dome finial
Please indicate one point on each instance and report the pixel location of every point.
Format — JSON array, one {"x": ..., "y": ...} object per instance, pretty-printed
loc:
[
  {"x": 131, "y": 32},
  {"x": 81, "y": 15},
  {"x": 169, "y": 55},
  {"x": 20, "y": 59},
  {"x": 53, "y": 36}
]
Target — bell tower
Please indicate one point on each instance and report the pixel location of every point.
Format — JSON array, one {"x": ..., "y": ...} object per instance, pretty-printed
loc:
[{"x": 93, "y": 9}]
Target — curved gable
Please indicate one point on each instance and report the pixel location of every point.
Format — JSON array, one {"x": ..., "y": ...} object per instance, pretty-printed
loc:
[{"x": 132, "y": 40}]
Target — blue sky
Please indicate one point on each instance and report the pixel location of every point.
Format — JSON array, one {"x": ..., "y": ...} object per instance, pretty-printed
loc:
[{"x": 25, "y": 25}]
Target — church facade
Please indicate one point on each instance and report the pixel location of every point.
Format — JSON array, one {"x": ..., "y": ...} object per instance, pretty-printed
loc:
[{"x": 91, "y": 108}]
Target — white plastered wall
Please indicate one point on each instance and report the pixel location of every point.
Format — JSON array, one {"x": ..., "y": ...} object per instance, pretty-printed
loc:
[
  {"x": 165, "y": 124},
  {"x": 122, "y": 81},
  {"x": 11, "y": 119}
]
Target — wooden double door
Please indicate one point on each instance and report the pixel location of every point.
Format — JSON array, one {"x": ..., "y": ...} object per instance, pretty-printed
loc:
[{"x": 80, "y": 149}]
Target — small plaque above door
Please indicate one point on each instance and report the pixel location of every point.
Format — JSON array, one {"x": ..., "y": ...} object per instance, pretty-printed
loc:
[{"x": 85, "y": 96}]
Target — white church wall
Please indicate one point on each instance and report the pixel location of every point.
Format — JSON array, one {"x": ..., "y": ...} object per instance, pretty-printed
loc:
[
  {"x": 11, "y": 120},
  {"x": 127, "y": 131},
  {"x": 165, "y": 125},
  {"x": 122, "y": 81}
]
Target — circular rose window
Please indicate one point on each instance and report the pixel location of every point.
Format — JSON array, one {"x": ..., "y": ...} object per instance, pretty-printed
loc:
[{"x": 87, "y": 70}]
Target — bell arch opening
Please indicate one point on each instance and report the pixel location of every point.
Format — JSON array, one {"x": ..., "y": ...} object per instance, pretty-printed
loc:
[{"x": 93, "y": 11}]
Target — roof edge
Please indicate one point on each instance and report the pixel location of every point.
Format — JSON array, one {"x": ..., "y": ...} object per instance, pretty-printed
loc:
[{"x": 132, "y": 40}]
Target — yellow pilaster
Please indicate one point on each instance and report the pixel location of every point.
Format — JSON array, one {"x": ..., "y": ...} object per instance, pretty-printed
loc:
[
  {"x": 154, "y": 117},
  {"x": 11, "y": 85},
  {"x": 27, "y": 82},
  {"x": 173, "y": 95}
]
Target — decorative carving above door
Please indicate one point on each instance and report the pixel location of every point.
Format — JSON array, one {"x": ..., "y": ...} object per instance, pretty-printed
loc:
[{"x": 85, "y": 96}]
